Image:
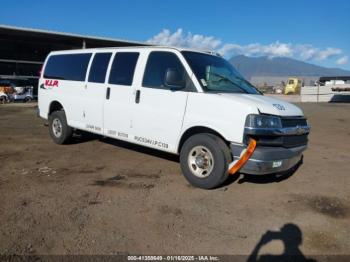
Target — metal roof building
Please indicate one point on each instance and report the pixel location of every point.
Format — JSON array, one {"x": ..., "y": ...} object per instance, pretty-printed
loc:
[{"x": 23, "y": 50}]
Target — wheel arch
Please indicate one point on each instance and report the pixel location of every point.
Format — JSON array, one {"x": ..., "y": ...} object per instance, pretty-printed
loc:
[
  {"x": 198, "y": 130},
  {"x": 55, "y": 106}
]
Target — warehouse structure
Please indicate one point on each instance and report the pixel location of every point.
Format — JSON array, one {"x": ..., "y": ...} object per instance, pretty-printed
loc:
[{"x": 23, "y": 50}]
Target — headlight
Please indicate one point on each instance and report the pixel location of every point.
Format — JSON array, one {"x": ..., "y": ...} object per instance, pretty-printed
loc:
[{"x": 263, "y": 121}]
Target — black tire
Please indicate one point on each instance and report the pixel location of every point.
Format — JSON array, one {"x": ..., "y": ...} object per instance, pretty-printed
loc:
[
  {"x": 27, "y": 100},
  {"x": 66, "y": 131},
  {"x": 3, "y": 99},
  {"x": 221, "y": 159}
]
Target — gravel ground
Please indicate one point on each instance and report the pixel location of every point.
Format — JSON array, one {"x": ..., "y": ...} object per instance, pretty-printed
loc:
[{"x": 101, "y": 196}]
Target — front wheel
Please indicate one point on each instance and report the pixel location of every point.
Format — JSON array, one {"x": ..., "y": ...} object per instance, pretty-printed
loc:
[
  {"x": 204, "y": 160},
  {"x": 59, "y": 130}
]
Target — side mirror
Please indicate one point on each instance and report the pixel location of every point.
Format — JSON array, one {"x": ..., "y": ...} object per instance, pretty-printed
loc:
[{"x": 174, "y": 79}]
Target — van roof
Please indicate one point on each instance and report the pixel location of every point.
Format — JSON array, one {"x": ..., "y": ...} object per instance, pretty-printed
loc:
[{"x": 138, "y": 47}]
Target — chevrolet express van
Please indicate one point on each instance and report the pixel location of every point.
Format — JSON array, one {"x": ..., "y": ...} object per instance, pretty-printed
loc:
[{"x": 181, "y": 101}]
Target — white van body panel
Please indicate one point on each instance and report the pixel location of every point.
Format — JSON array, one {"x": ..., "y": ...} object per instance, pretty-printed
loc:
[
  {"x": 162, "y": 116},
  {"x": 157, "y": 119},
  {"x": 226, "y": 113},
  {"x": 218, "y": 113},
  {"x": 92, "y": 100},
  {"x": 154, "y": 122},
  {"x": 44, "y": 98},
  {"x": 117, "y": 110},
  {"x": 68, "y": 94},
  {"x": 266, "y": 104}
]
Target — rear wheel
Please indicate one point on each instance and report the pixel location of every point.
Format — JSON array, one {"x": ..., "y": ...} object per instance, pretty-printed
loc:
[
  {"x": 27, "y": 99},
  {"x": 59, "y": 130},
  {"x": 204, "y": 160}
]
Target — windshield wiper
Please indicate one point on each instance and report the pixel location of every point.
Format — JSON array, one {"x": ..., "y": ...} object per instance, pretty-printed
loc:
[
  {"x": 248, "y": 83},
  {"x": 229, "y": 80}
]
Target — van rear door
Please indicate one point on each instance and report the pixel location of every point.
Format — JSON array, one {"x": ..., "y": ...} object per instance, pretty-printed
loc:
[
  {"x": 118, "y": 103},
  {"x": 95, "y": 92}
]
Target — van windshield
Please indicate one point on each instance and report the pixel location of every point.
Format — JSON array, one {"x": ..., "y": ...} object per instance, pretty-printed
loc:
[{"x": 216, "y": 74}]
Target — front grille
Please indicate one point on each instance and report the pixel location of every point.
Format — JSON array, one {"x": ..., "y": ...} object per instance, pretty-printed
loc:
[
  {"x": 294, "y": 141},
  {"x": 293, "y": 121},
  {"x": 287, "y": 141},
  {"x": 283, "y": 141}
]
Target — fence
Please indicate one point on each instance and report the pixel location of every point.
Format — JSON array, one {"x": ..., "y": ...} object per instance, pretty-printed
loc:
[{"x": 325, "y": 93}]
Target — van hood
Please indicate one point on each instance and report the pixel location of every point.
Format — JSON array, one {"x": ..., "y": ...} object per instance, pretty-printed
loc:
[{"x": 266, "y": 104}]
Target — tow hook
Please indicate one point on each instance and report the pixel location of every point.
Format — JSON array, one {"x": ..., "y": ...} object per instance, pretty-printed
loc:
[{"x": 246, "y": 154}]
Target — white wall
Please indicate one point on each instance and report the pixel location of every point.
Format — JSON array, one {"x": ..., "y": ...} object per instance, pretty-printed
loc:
[{"x": 323, "y": 93}]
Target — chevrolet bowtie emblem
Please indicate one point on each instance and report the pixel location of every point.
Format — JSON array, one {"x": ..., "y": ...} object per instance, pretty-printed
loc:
[{"x": 279, "y": 107}]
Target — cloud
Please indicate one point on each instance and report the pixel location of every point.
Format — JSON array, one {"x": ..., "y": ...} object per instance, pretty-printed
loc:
[
  {"x": 304, "y": 52},
  {"x": 276, "y": 49},
  {"x": 342, "y": 61},
  {"x": 308, "y": 52},
  {"x": 328, "y": 53},
  {"x": 178, "y": 38}
]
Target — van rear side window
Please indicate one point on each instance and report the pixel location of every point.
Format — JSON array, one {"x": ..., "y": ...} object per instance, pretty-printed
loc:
[
  {"x": 67, "y": 67},
  {"x": 123, "y": 67},
  {"x": 99, "y": 67}
]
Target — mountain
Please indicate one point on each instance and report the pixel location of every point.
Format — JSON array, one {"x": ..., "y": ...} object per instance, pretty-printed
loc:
[{"x": 281, "y": 66}]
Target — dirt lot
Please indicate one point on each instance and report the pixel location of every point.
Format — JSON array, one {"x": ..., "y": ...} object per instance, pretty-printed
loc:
[{"x": 97, "y": 196}]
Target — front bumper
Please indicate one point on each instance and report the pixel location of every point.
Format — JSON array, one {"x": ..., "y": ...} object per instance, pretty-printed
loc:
[{"x": 268, "y": 160}]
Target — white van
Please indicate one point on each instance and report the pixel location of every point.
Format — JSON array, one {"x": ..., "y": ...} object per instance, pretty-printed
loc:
[{"x": 181, "y": 101}]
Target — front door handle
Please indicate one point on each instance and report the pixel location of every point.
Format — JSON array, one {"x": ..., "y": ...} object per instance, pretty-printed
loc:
[
  {"x": 137, "y": 96},
  {"x": 108, "y": 93}
]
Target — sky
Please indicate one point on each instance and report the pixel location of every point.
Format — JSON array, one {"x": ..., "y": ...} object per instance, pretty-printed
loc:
[{"x": 315, "y": 31}]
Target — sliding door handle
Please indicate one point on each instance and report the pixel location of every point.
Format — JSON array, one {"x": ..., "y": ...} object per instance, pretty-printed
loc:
[
  {"x": 108, "y": 93},
  {"x": 137, "y": 96}
]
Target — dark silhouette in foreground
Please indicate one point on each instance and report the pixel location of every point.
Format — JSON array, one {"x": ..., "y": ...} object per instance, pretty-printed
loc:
[{"x": 291, "y": 236}]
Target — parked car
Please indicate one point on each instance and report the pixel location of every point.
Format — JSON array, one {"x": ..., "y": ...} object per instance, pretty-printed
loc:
[
  {"x": 181, "y": 101},
  {"x": 24, "y": 94},
  {"x": 6, "y": 90},
  {"x": 3, "y": 97},
  {"x": 18, "y": 89}
]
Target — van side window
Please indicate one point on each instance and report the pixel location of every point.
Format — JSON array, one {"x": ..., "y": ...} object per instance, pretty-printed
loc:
[
  {"x": 123, "y": 67},
  {"x": 157, "y": 65},
  {"x": 99, "y": 67},
  {"x": 67, "y": 67}
]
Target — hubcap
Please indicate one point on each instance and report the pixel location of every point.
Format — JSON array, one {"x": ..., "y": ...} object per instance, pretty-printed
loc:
[
  {"x": 57, "y": 127},
  {"x": 200, "y": 161}
]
